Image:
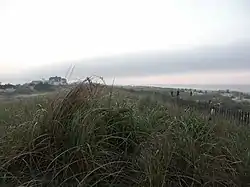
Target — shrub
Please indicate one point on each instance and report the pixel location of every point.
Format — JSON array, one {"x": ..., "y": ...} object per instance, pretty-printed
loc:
[
  {"x": 43, "y": 87},
  {"x": 73, "y": 141}
]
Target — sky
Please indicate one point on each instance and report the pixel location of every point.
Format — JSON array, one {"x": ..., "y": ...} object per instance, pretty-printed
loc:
[{"x": 133, "y": 41}]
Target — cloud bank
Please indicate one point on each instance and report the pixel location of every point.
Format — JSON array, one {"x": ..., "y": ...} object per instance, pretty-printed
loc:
[{"x": 232, "y": 57}]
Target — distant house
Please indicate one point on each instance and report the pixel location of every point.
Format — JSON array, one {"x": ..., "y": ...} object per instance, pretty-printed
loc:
[
  {"x": 57, "y": 81},
  {"x": 7, "y": 88}
]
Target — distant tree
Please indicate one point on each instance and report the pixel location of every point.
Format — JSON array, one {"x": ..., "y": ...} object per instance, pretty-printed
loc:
[
  {"x": 7, "y": 86},
  {"x": 43, "y": 87},
  {"x": 23, "y": 90}
]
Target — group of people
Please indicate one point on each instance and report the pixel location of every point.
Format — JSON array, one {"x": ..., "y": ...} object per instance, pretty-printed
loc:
[
  {"x": 178, "y": 93},
  {"x": 212, "y": 105}
]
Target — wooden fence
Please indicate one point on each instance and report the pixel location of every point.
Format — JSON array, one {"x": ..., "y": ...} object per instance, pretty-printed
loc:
[
  {"x": 237, "y": 115},
  {"x": 232, "y": 114}
]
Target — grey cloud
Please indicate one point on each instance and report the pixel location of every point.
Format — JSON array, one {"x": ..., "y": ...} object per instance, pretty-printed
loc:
[
  {"x": 233, "y": 57},
  {"x": 230, "y": 57}
]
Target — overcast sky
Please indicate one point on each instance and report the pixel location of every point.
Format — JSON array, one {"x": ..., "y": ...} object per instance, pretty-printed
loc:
[{"x": 135, "y": 41}]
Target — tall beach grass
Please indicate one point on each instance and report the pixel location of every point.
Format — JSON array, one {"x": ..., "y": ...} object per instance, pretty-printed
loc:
[{"x": 95, "y": 135}]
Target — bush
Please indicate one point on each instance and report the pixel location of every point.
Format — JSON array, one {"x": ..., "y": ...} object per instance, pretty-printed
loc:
[
  {"x": 23, "y": 90},
  {"x": 43, "y": 87}
]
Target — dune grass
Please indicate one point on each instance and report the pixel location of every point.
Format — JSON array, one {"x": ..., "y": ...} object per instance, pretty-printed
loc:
[{"x": 98, "y": 136}]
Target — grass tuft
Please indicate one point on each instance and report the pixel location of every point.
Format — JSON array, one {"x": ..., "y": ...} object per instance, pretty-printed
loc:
[{"x": 94, "y": 135}]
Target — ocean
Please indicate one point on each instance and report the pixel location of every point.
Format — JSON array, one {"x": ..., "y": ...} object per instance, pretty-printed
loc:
[{"x": 239, "y": 88}]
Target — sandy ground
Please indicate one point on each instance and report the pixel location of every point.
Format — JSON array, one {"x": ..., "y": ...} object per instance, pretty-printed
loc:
[
  {"x": 19, "y": 96},
  {"x": 30, "y": 95}
]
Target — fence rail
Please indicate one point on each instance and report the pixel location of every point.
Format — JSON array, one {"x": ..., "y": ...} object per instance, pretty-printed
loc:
[
  {"x": 237, "y": 115},
  {"x": 233, "y": 114}
]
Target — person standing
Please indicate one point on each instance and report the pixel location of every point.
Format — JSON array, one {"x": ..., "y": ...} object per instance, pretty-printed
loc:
[
  {"x": 191, "y": 93},
  {"x": 178, "y": 93},
  {"x": 211, "y": 110},
  {"x": 172, "y": 93}
]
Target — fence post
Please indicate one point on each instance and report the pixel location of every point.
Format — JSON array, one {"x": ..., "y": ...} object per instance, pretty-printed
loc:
[
  {"x": 245, "y": 118},
  {"x": 234, "y": 115},
  {"x": 241, "y": 117},
  {"x": 230, "y": 114},
  {"x": 248, "y": 120}
]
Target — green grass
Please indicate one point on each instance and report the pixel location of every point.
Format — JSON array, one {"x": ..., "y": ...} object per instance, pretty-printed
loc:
[{"x": 99, "y": 136}]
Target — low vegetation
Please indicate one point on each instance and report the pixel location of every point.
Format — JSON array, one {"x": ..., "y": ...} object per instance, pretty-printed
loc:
[{"x": 100, "y": 136}]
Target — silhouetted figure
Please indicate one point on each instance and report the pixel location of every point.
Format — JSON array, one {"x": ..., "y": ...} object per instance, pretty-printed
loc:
[
  {"x": 191, "y": 93},
  {"x": 178, "y": 93},
  {"x": 172, "y": 93},
  {"x": 211, "y": 110}
]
